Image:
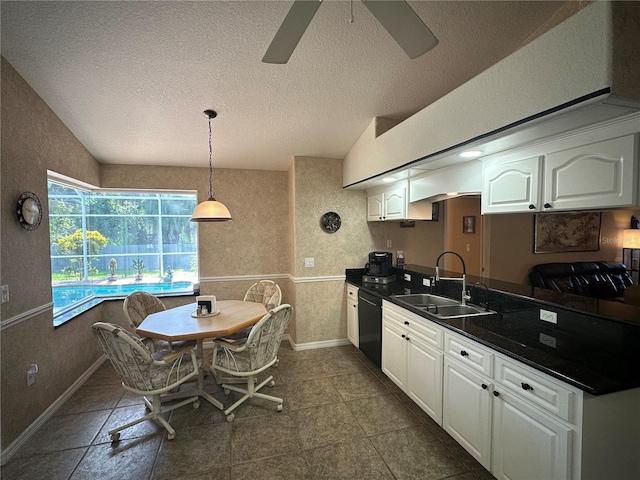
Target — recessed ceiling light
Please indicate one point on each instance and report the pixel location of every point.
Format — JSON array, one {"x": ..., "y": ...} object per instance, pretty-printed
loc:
[
  {"x": 388, "y": 179},
  {"x": 471, "y": 153}
]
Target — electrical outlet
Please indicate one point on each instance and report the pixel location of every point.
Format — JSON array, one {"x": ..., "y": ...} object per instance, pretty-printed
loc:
[
  {"x": 548, "y": 340},
  {"x": 389, "y": 243},
  {"x": 31, "y": 374},
  {"x": 468, "y": 247},
  {"x": 5, "y": 293},
  {"x": 407, "y": 277},
  {"x": 547, "y": 316},
  {"x": 426, "y": 282},
  {"x": 309, "y": 262}
]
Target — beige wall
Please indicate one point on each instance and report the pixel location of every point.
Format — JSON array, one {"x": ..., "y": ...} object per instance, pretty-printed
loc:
[
  {"x": 510, "y": 242},
  {"x": 316, "y": 189},
  {"x": 468, "y": 245}
]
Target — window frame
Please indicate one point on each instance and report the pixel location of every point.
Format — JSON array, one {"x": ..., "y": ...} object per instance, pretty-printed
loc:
[{"x": 158, "y": 255}]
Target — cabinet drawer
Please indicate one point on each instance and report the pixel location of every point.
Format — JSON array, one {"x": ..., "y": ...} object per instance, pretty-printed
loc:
[
  {"x": 546, "y": 393},
  {"x": 427, "y": 330},
  {"x": 352, "y": 292},
  {"x": 469, "y": 353}
]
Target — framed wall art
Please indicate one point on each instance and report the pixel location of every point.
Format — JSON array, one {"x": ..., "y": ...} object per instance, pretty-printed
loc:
[
  {"x": 469, "y": 224},
  {"x": 567, "y": 232}
]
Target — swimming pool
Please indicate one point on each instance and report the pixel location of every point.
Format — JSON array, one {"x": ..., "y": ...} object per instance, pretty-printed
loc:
[{"x": 66, "y": 295}]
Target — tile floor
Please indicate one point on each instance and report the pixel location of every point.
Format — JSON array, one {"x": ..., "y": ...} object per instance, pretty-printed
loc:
[{"x": 342, "y": 419}]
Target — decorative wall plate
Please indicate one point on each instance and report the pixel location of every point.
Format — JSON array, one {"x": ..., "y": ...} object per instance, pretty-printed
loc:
[
  {"x": 330, "y": 222},
  {"x": 29, "y": 211}
]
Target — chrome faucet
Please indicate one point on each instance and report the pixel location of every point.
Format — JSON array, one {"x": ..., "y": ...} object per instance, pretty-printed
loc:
[
  {"x": 476, "y": 285},
  {"x": 464, "y": 274}
]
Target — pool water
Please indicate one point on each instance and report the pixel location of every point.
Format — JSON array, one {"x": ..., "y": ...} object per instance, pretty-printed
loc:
[{"x": 66, "y": 295}]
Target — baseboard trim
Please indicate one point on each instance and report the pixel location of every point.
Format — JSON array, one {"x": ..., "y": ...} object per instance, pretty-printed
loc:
[
  {"x": 7, "y": 453},
  {"x": 313, "y": 345}
]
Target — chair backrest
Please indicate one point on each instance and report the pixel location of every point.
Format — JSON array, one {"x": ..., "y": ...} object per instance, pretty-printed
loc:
[
  {"x": 131, "y": 359},
  {"x": 266, "y": 292},
  {"x": 140, "y": 304},
  {"x": 265, "y": 336}
]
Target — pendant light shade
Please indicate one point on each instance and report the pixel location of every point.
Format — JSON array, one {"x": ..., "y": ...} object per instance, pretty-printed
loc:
[{"x": 211, "y": 210}]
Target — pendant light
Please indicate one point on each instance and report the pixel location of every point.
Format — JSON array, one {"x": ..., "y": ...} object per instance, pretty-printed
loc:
[{"x": 211, "y": 210}]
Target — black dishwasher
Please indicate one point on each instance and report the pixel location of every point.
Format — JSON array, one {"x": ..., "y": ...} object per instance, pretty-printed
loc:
[{"x": 370, "y": 325}]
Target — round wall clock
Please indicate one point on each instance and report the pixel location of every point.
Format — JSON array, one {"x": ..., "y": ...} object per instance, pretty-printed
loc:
[
  {"x": 29, "y": 211},
  {"x": 330, "y": 222}
]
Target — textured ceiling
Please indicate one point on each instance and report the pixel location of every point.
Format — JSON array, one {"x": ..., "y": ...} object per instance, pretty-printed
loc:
[{"x": 131, "y": 79}]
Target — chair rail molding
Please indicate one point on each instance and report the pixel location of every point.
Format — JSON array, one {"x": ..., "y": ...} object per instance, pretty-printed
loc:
[{"x": 34, "y": 312}]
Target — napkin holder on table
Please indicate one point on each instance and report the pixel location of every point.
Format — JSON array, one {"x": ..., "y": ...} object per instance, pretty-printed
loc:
[{"x": 208, "y": 301}]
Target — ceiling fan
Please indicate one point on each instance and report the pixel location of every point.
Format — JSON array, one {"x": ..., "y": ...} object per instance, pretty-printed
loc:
[{"x": 396, "y": 16}]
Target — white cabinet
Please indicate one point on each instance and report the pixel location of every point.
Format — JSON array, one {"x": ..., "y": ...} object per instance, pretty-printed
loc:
[
  {"x": 598, "y": 175},
  {"x": 517, "y": 421},
  {"x": 527, "y": 444},
  {"x": 412, "y": 357},
  {"x": 466, "y": 414},
  {"x": 389, "y": 205},
  {"x": 511, "y": 187},
  {"x": 352, "y": 314},
  {"x": 392, "y": 203}
]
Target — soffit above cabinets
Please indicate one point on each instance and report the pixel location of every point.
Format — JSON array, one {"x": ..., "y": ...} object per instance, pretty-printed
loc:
[
  {"x": 522, "y": 99},
  {"x": 540, "y": 130}
]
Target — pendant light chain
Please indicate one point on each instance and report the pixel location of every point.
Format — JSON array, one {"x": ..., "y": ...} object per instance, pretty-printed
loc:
[{"x": 210, "y": 163}]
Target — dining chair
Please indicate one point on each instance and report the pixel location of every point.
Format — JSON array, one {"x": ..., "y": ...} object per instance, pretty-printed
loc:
[
  {"x": 266, "y": 292},
  {"x": 242, "y": 364},
  {"x": 146, "y": 373},
  {"x": 137, "y": 306}
]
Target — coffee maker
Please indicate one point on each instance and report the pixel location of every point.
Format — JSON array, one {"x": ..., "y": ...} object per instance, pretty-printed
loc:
[{"x": 378, "y": 268}]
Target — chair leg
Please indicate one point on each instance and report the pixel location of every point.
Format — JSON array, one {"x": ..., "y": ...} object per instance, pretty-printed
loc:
[
  {"x": 155, "y": 406},
  {"x": 250, "y": 392}
]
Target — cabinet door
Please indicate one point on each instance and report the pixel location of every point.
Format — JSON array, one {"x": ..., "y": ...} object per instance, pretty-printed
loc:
[
  {"x": 375, "y": 208},
  {"x": 352, "y": 320},
  {"x": 424, "y": 376},
  {"x": 511, "y": 187},
  {"x": 395, "y": 205},
  {"x": 528, "y": 444},
  {"x": 394, "y": 353},
  {"x": 599, "y": 175},
  {"x": 466, "y": 410}
]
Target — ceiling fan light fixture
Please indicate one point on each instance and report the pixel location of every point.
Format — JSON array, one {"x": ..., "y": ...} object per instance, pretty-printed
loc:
[{"x": 211, "y": 210}]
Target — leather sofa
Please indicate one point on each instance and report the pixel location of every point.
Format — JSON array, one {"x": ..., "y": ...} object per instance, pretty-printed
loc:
[{"x": 606, "y": 280}]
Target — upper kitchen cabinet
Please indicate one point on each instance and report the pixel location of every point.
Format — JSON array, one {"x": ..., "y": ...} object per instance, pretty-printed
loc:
[
  {"x": 570, "y": 173},
  {"x": 392, "y": 203},
  {"x": 511, "y": 186}
]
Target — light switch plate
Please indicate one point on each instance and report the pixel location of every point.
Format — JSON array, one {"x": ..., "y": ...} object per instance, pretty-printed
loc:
[
  {"x": 309, "y": 262},
  {"x": 5, "y": 293}
]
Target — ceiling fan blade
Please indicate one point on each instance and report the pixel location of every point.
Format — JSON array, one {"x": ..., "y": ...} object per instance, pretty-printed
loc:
[
  {"x": 404, "y": 25},
  {"x": 291, "y": 31}
]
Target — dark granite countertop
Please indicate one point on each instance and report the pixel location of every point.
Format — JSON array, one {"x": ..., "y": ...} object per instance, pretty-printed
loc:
[{"x": 594, "y": 354}]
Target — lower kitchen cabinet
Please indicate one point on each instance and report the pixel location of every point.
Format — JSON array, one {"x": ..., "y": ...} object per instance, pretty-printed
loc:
[
  {"x": 527, "y": 444},
  {"x": 517, "y": 421},
  {"x": 410, "y": 357},
  {"x": 466, "y": 412},
  {"x": 352, "y": 315}
]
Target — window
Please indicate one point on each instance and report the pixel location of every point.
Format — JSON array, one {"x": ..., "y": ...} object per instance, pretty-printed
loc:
[{"x": 111, "y": 243}]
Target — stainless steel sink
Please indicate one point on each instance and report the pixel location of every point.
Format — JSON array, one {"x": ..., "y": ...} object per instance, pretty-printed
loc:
[
  {"x": 454, "y": 311},
  {"x": 424, "y": 300},
  {"x": 441, "y": 307}
]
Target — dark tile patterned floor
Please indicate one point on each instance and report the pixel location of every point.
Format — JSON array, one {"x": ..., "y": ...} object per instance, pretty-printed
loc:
[{"x": 342, "y": 419}]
